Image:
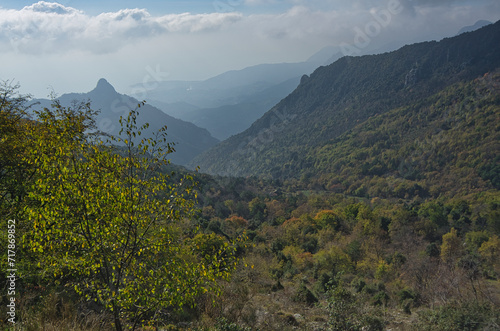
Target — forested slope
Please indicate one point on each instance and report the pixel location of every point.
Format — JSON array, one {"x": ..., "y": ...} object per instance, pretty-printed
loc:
[
  {"x": 446, "y": 144},
  {"x": 336, "y": 98}
]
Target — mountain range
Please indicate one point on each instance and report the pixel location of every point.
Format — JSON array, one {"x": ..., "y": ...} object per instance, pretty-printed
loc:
[
  {"x": 200, "y": 113},
  {"x": 230, "y": 102},
  {"x": 189, "y": 139},
  {"x": 300, "y": 137}
]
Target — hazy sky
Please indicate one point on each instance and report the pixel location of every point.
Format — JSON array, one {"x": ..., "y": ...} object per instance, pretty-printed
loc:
[{"x": 67, "y": 46}]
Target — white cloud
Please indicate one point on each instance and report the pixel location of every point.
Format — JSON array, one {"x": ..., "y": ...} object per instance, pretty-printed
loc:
[
  {"x": 199, "y": 22},
  {"x": 298, "y": 24},
  {"x": 261, "y": 2},
  {"x": 51, "y": 7},
  {"x": 46, "y": 27}
]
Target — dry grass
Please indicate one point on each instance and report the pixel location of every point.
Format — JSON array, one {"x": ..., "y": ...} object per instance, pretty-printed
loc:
[{"x": 55, "y": 312}]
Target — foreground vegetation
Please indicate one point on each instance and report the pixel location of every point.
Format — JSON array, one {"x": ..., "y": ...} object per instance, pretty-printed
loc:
[{"x": 99, "y": 218}]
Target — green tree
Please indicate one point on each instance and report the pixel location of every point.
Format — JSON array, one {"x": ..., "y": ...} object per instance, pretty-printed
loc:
[
  {"x": 342, "y": 308},
  {"x": 15, "y": 176},
  {"x": 451, "y": 248},
  {"x": 490, "y": 252},
  {"x": 13, "y": 173},
  {"x": 329, "y": 218},
  {"x": 347, "y": 313},
  {"x": 109, "y": 220},
  {"x": 258, "y": 210}
]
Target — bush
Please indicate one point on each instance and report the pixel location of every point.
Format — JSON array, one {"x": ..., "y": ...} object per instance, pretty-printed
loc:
[
  {"x": 224, "y": 325},
  {"x": 343, "y": 309},
  {"x": 373, "y": 323},
  {"x": 358, "y": 284},
  {"x": 466, "y": 316},
  {"x": 321, "y": 285},
  {"x": 381, "y": 298},
  {"x": 407, "y": 293},
  {"x": 303, "y": 294},
  {"x": 408, "y": 299}
]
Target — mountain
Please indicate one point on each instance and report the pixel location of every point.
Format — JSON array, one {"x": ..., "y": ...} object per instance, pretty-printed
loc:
[
  {"x": 285, "y": 142},
  {"x": 230, "y": 102},
  {"x": 189, "y": 139},
  {"x": 477, "y": 25},
  {"x": 230, "y": 87},
  {"x": 176, "y": 109},
  {"x": 227, "y": 120}
]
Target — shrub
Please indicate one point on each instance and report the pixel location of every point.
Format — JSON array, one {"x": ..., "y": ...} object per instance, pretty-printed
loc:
[
  {"x": 303, "y": 294},
  {"x": 408, "y": 298},
  {"x": 358, "y": 284},
  {"x": 224, "y": 325},
  {"x": 466, "y": 316},
  {"x": 381, "y": 298}
]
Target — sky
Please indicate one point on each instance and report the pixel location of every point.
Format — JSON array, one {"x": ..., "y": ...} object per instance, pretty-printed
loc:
[{"x": 67, "y": 46}]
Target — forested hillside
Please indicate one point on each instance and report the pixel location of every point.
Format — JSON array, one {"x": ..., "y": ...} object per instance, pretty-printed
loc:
[
  {"x": 336, "y": 98},
  {"x": 444, "y": 145}
]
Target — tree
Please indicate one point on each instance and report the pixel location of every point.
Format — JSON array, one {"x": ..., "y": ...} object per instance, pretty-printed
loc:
[
  {"x": 13, "y": 174},
  {"x": 328, "y": 218},
  {"x": 109, "y": 220},
  {"x": 346, "y": 312},
  {"x": 258, "y": 211},
  {"x": 451, "y": 248},
  {"x": 343, "y": 307},
  {"x": 490, "y": 252}
]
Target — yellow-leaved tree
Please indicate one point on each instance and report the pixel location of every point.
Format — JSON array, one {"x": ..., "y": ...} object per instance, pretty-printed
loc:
[
  {"x": 106, "y": 217},
  {"x": 451, "y": 248}
]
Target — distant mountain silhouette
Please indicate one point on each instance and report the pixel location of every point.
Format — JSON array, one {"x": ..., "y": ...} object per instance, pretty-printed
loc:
[
  {"x": 230, "y": 87},
  {"x": 477, "y": 25},
  {"x": 190, "y": 140},
  {"x": 230, "y": 102},
  {"x": 227, "y": 120}
]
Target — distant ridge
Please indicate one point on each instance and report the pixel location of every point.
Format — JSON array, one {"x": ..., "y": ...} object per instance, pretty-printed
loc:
[
  {"x": 477, "y": 25},
  {"x": 190, "y": 140},
  {"x": 230, "y": 102}
]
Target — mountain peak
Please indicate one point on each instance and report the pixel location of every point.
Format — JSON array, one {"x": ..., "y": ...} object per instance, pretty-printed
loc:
[
  {"x": 104, "y": 87},
  {"x": 477, "y": 25}
]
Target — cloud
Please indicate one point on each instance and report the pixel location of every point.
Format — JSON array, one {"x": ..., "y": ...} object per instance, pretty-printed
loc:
[
  {"x": 309, "y": 23},
  {"x": 46, "y": 27},
  {"x": 260, "y": 2},
  {"x": 51, "y": 7},
  {"x": 197, "y": 23},
  {"x": 298, "y": 23}
]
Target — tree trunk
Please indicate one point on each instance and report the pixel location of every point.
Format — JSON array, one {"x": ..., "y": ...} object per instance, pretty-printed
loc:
[{"x": 118, "y": 323}]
